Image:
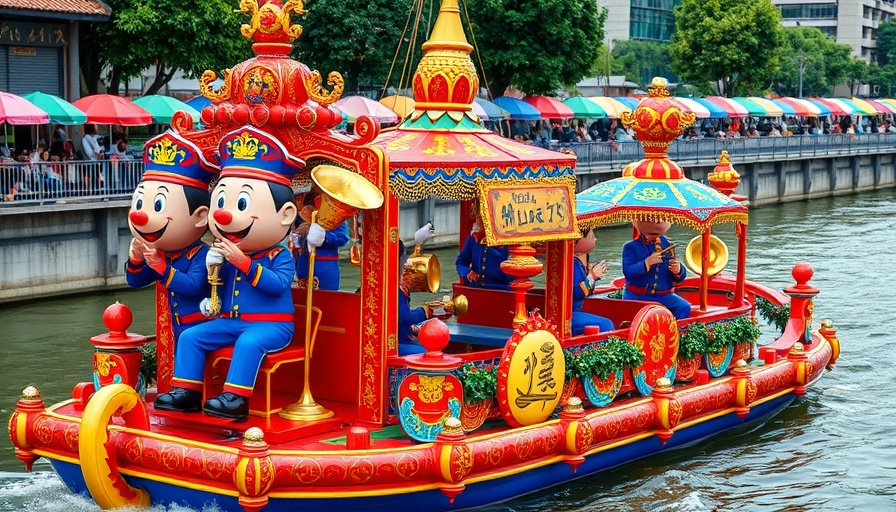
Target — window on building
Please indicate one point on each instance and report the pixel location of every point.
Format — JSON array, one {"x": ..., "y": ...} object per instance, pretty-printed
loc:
[
  {"x": 809, "y": 11},
  {"x": 652, "y": 19},
  {"x": 831, "y": 31}
]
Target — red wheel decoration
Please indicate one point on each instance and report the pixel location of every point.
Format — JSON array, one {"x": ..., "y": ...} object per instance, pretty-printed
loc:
[{"x": 654, "y": 331}]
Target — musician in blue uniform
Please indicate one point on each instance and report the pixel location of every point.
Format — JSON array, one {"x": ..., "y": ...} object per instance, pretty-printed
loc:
[
  {"x": 479, "y": 265},
  {"x": 326, "y": 258},
  {"x": 409, "y": 317},
  {"x": 252, "y": 210},
  {"x": 650, "y": 275},
  {"x": 168, "y": 216},
  {"x": 584, "y": 281}
]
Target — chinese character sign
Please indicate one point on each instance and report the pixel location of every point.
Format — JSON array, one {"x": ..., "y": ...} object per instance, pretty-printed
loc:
[
  {"x": 534, "y": 369},
  {"x": 521, "y": 214}
]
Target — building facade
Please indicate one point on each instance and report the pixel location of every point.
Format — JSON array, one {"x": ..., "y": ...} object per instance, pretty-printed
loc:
[
  {"x": 852, "y": 22},
  {"x": 39, "y": 44}
]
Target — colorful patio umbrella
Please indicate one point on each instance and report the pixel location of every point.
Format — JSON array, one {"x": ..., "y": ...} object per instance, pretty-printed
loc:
[
  {"x": 752, "y": 107},
  {"x": 696, "y": 107},
  {"x": 858, "y": 109},
  {"x": 109, "y": 109},
  {"x": 59, "y": 110},
  {"x": 494, "y": 111},
  {"x": 400, "y": 104},
  {"x": 613, "y": 107},
  {"x": 848, "y": 108},
  {"x": 771, "y": 109},
  {"x": 731, "y": 107},
  {"x": 584, "y": 108},
  {"x": 832, "y": 107},
  {"x": 479, "y": 111},
  {"x": 715, "y": 111},
  {"x": 798, "y": 108},
  {"x": 17, "y": 110},
  {"x": 866, "y": 107},
  {"x": 786, "y": 108},
  {"x": 813, "y": 109},
  {"x": 629, "y": 101},
  {"x": 359, "y": 106},
  {"x": 518, "y": 108},
  {"x": 883, "y": 108},
  {"x": 888, "y": 101},
  {"x": 550, "y": 108},
  {"x": 162, "y": 108},
  {"x": 198, "y": 102}
]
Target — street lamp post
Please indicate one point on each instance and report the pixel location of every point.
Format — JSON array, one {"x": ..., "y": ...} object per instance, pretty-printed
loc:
[{"x": 800, "y": 58}]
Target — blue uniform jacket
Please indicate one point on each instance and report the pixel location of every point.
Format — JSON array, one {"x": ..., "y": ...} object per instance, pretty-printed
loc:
[
  {"x": 186, "y": 281},
  {"x": 581, "y": 289},
  {"x": 406, "y": 318},
  {"x": 326, "y": 259},
  {"x": 485, "y": 261},
  {"x": 658, "y": 279},
  {"x": 266, "y": 288}
]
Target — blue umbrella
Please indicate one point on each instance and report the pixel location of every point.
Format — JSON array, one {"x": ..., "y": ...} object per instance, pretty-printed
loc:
[
  {"x": 199, "y": 102},
  {"x": 715, "y": 111},
  {"x": 493, "y": 111},
  {"x": 518, "y": 109},
  {"x": 629, "y": 101}
]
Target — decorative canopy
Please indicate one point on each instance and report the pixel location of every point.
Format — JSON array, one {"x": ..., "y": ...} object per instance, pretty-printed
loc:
[
  {"x": 441, "y": 150},
  {"x": 655, "y": 188}
]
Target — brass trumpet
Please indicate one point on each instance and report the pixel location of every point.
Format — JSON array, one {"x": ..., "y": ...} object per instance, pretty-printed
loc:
[
  {"x": 422, "y": 272},
  {"x": 448, "y": 306}
]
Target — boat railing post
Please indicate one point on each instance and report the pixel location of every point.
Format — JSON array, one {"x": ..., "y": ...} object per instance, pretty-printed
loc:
[
  {"x": 454, "y": 456},
  {"x": 745, "y": 389},
  {"x": 798, "y": 357},
  {"x": 579, "y": 434},
  {"x": 30, "y": 404},
  {"x": 254, "y": 474},
  {"x": 668, "y": 409},
  {"x": 827, "y": 330}
]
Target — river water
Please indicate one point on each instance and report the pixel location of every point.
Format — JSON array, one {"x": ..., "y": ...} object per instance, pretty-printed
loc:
[{"x": 833, "y": 450}]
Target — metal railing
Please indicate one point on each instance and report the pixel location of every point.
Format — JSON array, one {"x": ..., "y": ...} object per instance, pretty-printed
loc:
[
  {"x": 604, "y": 156},
  {"x": 29, "y": 183}
]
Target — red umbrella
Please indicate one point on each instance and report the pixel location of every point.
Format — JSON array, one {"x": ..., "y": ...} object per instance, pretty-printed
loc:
[
  {"x": 17, "y": 110},
  {"x": 835, "y": 109},
  {"x": 550, "y": 108},
  {"x": 109, "y": 109}
]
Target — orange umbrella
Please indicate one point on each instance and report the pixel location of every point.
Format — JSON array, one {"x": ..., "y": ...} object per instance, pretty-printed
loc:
[{"x": 400, "y": 104}]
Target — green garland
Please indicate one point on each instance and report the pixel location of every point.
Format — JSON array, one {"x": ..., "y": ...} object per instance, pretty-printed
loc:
[
  {"x": 617, "y": 294},
  {"x": 613, "y": 355},
  {"x": 571, "y": 366},
  {"x": 693, "y": 341},
  {"x": 149, "y": 364},
  {"x": 478, "y": 384},
  {"x": 774, "y": 314},
  {"x": 698, "y": 339}
]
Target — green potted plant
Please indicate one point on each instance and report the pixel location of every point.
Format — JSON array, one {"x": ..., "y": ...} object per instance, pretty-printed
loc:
[
  {"x": 572, "y": 384},
  {"x": 601, "y": 368},
  {"x": 774, "y": 314},
  {"x": 691, "y": 347},
  {"x": 480, "y": 389},
  {"x": 744, "y": 334}
]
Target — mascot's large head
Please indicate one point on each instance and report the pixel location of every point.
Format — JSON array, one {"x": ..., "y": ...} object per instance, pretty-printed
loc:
[
  {"x": 652, "y": 229},
  {"x": 169, "y": 208},
  {"x": 252, "y": 204}
]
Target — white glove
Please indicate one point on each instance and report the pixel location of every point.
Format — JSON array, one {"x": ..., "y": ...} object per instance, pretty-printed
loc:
[
  {"x": 423, "y": 234},
  {"x": 213, "y": 258},
  {"x": 205, "y": 307},
  {"x": 315, "y": 236}
]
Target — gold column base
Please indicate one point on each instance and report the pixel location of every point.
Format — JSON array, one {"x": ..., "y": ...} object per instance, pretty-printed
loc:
[{"x": 305, "y": 412}]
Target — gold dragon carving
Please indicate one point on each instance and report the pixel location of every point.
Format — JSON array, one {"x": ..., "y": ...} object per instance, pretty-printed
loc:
[
  {"x": 206, "y": 89},
  {"x": 316, "y": 91},
  {"x": 280, "y": 17}
]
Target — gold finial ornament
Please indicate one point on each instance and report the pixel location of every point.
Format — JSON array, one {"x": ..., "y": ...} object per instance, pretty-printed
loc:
[
  {"x": 31, "y": 393},
  {"x": 664, "y": 384},
  {"x": 271, "y": 22},
  {"x": 317, "y": 93},
  {"x": 724, "y": 177},
  {"x": 254, "y": 436},
  {"x": 574, "y": 404}
]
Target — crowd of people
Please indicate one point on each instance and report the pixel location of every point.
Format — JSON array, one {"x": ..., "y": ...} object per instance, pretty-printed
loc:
[{"x": 60, "y": 168}]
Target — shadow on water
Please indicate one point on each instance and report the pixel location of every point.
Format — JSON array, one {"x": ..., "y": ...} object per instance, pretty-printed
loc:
[{"x": 830, "y": 451}]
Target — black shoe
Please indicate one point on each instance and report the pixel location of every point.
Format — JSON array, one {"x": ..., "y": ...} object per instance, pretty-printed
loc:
[
  {"x": 229, "y": 406},
  {"x": 179, "y": 399}
]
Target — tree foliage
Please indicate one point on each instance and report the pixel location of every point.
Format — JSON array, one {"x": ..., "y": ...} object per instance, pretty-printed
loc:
[
  {"x": 886, "y": 43},
  {"x": 357, "y": 38},
  {"x": 733, "y": 41},
  {"x": 824, "y": 62},
  {"x": 163, "y": 35},
  {"x": 640, "y": 61},
  {"x": 537, "y": 46},
  {"x": 857, "y": 73}
]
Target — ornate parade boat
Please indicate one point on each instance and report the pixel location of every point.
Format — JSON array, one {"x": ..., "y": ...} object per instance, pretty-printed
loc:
[{"x": 505, "y": 400}]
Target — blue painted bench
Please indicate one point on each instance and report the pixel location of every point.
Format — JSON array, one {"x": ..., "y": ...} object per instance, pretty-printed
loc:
[{"x": 479, "y": 334}]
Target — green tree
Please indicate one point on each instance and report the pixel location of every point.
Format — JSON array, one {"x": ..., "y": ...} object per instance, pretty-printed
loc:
[
  {"x": 537, "y": 46},
  {"x": 735, "y": 42},
  {"x": 164, "y": 35},
  {"x": 822, "y": 59},
  {"x": 857, "y": 72},
  {"x": 883, "y": 80},
  {"x": 358, "y": 38},
  {"x": 640, "y": 61},
  {"x": 886, "y": 43}
]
